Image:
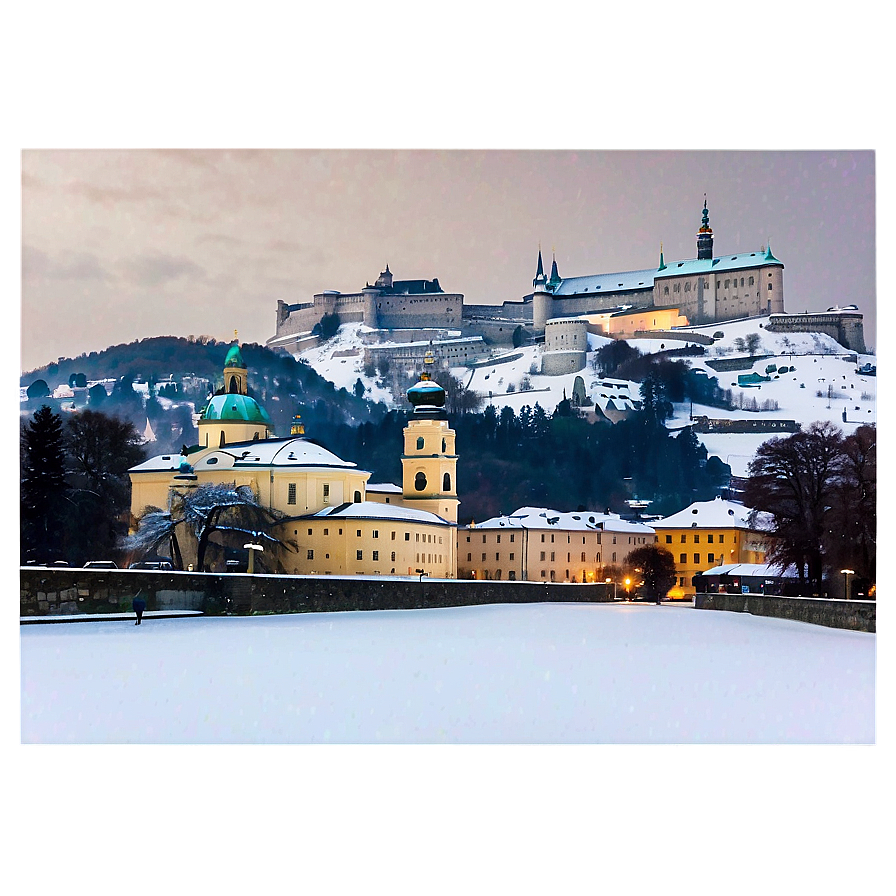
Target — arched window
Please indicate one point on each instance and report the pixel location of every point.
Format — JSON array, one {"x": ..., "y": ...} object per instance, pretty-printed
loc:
[
  {"x": 420, "y": 482},
  {"x": 357, "y": 498},
  {"x": 221, "y": 441},
  {"x": 234, "y": 385},
  {"x": 446, "y": 482}
]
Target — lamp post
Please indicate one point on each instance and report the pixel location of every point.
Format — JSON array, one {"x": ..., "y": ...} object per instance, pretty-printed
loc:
[
  {"x": 608, "y": 580},
  {"x": 252, "y": 548},
  {"x": 846, "y": 574},
  {"x": 627, "y": 584}
]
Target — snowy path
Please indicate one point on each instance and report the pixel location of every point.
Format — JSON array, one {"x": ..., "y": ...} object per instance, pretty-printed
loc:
[{"x": 538, "y": 673}]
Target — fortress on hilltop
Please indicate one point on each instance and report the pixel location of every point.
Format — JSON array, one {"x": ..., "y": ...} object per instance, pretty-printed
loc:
[{"x": 706, "y": 289}]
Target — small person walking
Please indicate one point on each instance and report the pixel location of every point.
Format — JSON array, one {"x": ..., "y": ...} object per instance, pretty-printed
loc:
[{"x": 139, "y": 606}]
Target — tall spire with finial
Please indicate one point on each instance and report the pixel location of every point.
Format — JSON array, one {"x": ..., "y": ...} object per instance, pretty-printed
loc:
[
  {"x": 704, "y": 235},
  {"x": 554, "y": 282},
  {"x": 539, "y": 273},
  {"x": 662, "y": 266}
]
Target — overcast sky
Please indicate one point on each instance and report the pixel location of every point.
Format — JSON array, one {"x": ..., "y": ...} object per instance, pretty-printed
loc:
[{"x": 120, "y": 245}]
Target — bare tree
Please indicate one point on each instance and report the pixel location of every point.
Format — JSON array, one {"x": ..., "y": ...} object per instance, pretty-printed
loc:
[{"x": 795, "y": 481}]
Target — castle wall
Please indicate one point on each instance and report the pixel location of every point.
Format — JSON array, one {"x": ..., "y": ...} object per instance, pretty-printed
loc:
[
  {"x": 844, "y": 326},
  {"x": 394, "y": 312}
]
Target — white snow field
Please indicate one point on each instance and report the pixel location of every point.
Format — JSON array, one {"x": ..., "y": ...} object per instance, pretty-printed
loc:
[{"x": 537, "y": 673}]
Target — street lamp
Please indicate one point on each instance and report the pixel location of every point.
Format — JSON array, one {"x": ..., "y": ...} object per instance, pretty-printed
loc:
[
  {"x": 627, "y": 583},
  {"x": 846, "y": 574},
  {"x": 252, "y": 548}
]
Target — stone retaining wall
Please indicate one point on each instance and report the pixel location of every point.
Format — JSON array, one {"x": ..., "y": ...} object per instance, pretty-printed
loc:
[
  {"x": 68, "y": 591},
  {"x": 857, "y": 615}
]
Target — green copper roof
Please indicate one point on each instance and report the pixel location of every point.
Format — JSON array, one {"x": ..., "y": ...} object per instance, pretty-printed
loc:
[
  {"x": 231, "y": 406},
  {"x": 234, "y": 358}
]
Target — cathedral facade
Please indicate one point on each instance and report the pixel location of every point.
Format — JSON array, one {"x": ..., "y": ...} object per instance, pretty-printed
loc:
[{"x": 326, "y": 522}]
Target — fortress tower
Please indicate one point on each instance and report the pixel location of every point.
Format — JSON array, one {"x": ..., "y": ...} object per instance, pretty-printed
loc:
[
  {"x": 704, "y": 235},
  {"x": 429, "y": 461}
]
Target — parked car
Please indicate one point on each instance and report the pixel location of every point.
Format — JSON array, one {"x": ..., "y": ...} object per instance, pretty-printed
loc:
[
  {"x": 151, "y": 564},
  {"x": 100, "y": 564}
]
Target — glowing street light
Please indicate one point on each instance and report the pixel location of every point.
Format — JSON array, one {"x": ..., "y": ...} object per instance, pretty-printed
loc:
[
  {"x": 846, "y": 574},
  {"x": 252, "y": 548}
]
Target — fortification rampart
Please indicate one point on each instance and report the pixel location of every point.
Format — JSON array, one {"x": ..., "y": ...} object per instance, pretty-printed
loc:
[{"x": 844, "y": 326}]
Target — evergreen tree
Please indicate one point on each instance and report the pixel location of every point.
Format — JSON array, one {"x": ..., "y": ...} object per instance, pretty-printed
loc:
[{"x": 44, "y": 490}]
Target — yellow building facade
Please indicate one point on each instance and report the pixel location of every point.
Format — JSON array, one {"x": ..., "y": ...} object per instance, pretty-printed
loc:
[{"x": 705, "y": 535}]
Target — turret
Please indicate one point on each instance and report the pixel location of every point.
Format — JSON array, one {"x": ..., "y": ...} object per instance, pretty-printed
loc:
[{"x": 704, "y": 235}]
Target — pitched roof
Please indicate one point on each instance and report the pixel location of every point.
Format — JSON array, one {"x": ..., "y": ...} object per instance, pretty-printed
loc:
[
  {"x": 545, "y": 518},
  {"x": 717, "y": 514}
]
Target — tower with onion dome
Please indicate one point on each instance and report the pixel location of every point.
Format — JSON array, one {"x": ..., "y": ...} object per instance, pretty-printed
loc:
[
  {"x": 233, "y": 415},
  {"x": 429, "y": 461}
]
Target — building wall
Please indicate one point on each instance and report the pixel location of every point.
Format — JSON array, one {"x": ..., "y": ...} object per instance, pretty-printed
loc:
[
  {"x": 696, "y": 550},
  {"x": 543, "y": 555},
  {"x": 846, "y": 327},
  {"x": 337, "y": 546}
]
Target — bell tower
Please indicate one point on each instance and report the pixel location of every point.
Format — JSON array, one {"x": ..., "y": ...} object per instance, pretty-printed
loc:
[
  {"x": 704, "y": 235},
  {"x": 429, "y": 461}
]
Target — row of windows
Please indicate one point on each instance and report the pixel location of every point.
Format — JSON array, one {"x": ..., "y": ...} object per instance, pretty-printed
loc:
[
  {"x": 291, "y": 494},
  {"x": 632, "y": 539},
  {"x": 710, "y": 558},
  {"x": 710, "y": 538},
  {"x": 512, "y": 556}
]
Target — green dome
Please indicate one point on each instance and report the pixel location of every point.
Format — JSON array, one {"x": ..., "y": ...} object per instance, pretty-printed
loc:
[
  {"x": 234, "y": 358},
  {"x": 232, "y": 406}
]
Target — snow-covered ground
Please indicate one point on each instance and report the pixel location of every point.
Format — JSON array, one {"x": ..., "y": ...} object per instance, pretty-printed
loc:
[
  {"x": 801, "y": 395},
  {"x": 539, "y": 673}
]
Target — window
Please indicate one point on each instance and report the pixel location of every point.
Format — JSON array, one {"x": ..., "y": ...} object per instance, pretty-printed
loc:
[
  {"x": 552, "y": 556},
  {"x": 469, "y": 558},
  {"x": 310, "y": 554},
  {"x": 407, "y": 536},
  {"x": 721, "y": 539},
  {"x": 497, "y": 557},
  {"x": 511, "y": 574},
  {"x": 498, "y": 538},
  {"x": 393, "y": 556},
  {"x": 511, "y": 556},
  {"x": 751, "y": 281},
  {"x": 483, "y": 558},
  {"x": 376, "y": 533},
  {"x": 393, "y": 535},
  {"x": 697, "y": 559},
  {"x": 682, "y": 558},
  {"x": 614, "y": 556},
  {"x": 291, "y": 495},
  {"x": 542, "y": 537},
  {"x": 542, "y": 556},
  {"x": 668, "y": 539},
  {"x": 326, "y": 493},
  {"x": 376, "y": 555},
  {"x": 420, "y": 443},
  {"x": 769, "y": 287},
  {"x": 357, "y": 498},
  {"x": 696, "y": 538},
  {"x": 709, "y": 537},
  {"x": 309, "y": 531},
  {"x": 326, "y": 531},
  {"x": 710, "y": 558},
  {"x": 359, "y": 555},
  {"x": 681, "y": 581},
  {"x": 420, "y": 482},
  {"x": 683, "y": 537},
  {"x": 583, "y": 556},
  {"x": 359, "y": 533},
  {"x": 446, "y": 482},
  {"x": 511, "y": 537}
]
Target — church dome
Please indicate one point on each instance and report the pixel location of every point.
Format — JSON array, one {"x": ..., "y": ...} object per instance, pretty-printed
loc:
[
  {"x": 234, "y": 357},
  {"x": 233, "y": 406},
  {"x": 426, "y": 393}
]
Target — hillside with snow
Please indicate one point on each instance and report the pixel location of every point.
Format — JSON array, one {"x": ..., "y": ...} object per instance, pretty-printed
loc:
[{"x": 823, "y": 385}]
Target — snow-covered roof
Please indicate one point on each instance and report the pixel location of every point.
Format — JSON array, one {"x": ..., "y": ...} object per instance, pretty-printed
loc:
[
  {"x": 717, "y": 514},
  {"x": 751, "y": 569},
  {"x": 545, "y": 518},
  {"x": 383, "y": 488},
  {"x": 601, "y": 283},
  {"x": 290, "y": 452},
  {"x": 373, "y": 510},
  {"x": 713, "y": 265}
]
